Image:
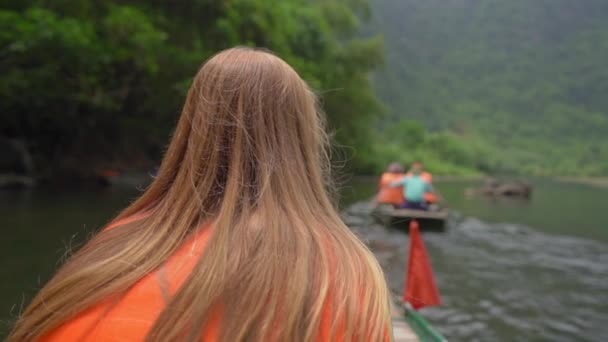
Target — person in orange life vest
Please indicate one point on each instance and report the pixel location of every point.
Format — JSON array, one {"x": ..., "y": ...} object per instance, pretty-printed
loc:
[
  {"x": 386, "y": 193},
  {"x": 236, "y": 239},
  {"x": 416, "y": 186}
]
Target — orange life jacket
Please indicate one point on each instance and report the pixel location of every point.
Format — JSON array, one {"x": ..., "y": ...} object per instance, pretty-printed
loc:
[
  {"x": 431, "y": 197},
  {"x": 388, "y": 194},
  {"x": 132, "y": 316}
]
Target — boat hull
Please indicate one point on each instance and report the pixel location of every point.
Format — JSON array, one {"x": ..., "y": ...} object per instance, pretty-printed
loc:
[
  {"x": 429, "y": 220},
  {"x": 411, "y": 326}
]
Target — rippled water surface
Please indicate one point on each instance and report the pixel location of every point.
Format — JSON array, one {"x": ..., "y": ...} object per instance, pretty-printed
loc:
[
  {"x": 507, "y": 270},
  {"x": 509, "y": 281}
]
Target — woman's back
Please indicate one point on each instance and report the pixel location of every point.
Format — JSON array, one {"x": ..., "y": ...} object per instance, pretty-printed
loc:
[
  {"x": 236, "y": 239},
  {"x": 131, "y": 317}
]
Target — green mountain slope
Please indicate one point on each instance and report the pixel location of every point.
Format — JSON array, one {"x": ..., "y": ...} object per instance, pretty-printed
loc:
[{"x": 527, "y": 78}]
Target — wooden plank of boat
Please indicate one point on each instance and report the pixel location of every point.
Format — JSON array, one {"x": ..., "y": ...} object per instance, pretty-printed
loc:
[
  {"x": 410, "y": 326},
  {"x": 421, "y": 327},
  {"x": 428, "y": 219},
  {"x": 419, "y": 214},
  {"x": 401, "y": 330}
]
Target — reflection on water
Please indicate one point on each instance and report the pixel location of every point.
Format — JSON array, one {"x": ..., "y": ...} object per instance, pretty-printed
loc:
[
  {"x": 503, "y": 282},
  {"x": 507, "y": 271},
  {"x": 37, "y": 228}
]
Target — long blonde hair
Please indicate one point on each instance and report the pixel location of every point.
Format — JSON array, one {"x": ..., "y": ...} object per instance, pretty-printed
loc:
[{"x": 249, "y": 155}]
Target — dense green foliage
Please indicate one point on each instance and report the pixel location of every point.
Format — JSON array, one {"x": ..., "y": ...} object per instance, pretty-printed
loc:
[
  {"x": 443, "y": 153},
  {"x": 471, "y": 85},
  {"x": 526, "y": 80},
  {"x": 91, "y": 84}
]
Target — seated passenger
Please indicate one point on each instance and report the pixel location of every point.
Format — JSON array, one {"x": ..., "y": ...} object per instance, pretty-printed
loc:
[
  {"x": 416, "y": 188},
  {"x": 429, "y": 197},
  {"x": 386, "y": 193}
]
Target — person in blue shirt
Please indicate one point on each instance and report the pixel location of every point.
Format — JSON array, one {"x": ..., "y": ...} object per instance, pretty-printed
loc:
[{"x": 414, "y": 188}]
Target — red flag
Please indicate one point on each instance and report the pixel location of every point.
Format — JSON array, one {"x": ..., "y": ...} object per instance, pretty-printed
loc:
[{"x": 420, "y": 288}]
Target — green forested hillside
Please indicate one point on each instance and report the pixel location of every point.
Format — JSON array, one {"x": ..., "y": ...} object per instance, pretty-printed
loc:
[
  {"x": 469, "y": 85},
  {"x": 524, "y": 82},
  {"x": 87, "y": 85}
]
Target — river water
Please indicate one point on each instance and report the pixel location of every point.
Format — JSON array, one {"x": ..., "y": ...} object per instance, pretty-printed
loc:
[{"x": 507, "y": 270}]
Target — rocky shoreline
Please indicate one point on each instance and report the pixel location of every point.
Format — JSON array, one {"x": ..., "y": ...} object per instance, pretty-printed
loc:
[
  {"x": 14, "y": 181},
  {"x": 601, "y": 182}
]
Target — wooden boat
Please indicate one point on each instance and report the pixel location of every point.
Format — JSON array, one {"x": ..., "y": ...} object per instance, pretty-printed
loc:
[
  {"x": 410, "y": 326},
  {"x": 400, "y": 218}
]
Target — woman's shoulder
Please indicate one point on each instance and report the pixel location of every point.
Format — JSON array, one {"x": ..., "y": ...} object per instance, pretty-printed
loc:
[{"x": 130, "y": 317}]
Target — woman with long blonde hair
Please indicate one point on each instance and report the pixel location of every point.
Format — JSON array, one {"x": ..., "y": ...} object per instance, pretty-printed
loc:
[{"x": 236, "y": 239}]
